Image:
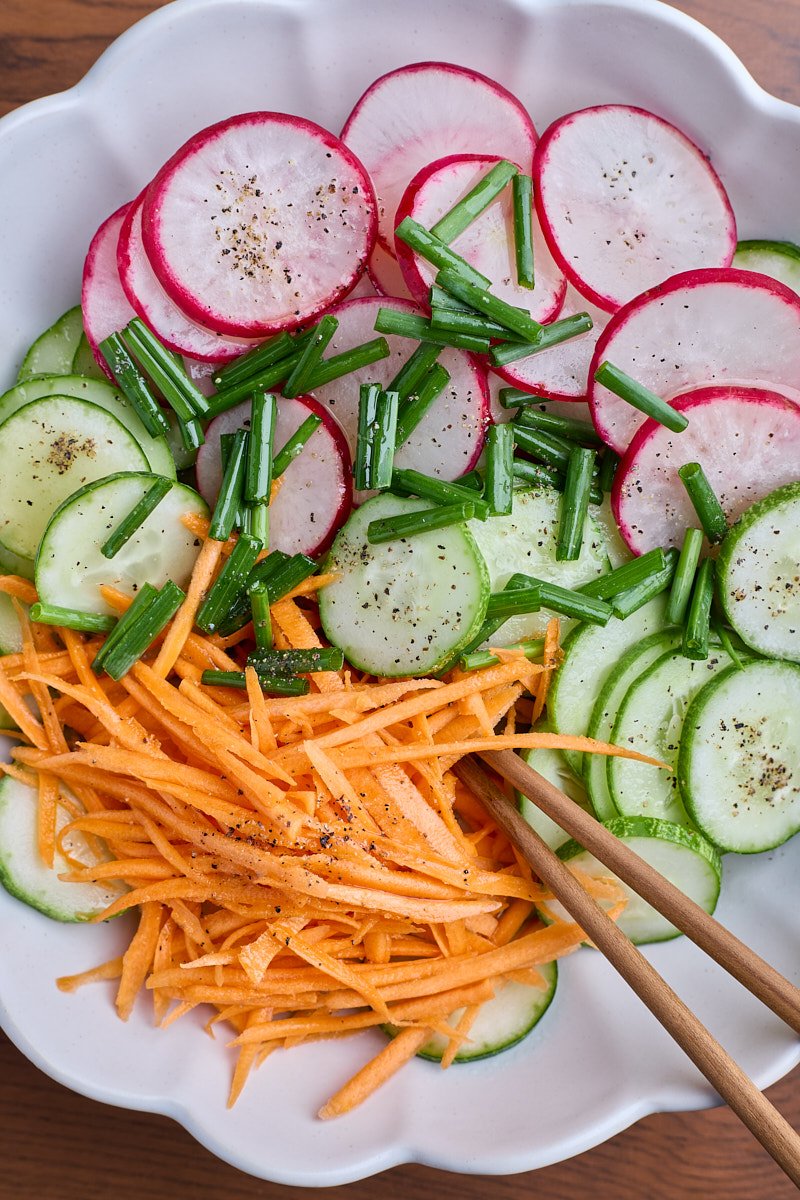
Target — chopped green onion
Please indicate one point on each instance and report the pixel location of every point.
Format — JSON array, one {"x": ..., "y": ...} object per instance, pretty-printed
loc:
[
  {"x": 517, "y": 599},
  {"x": 510, "y": 397},
  {"x": 566, "y": 427},
  {"x": 625, "y": 603},
  {"x": 574, "y": 504},
  {"x": 640, "y": 397},
  {"x": 706, "y": 505},
  {"x": 247, "y": 366},
  {"x": 285, "y": 575},
  {"x": 472, "y": 480},
  {"x": 226, "y": 443},
  {"x": 466, "y": 324},
  {"x": 310, "y": 357},
  {"x": 294, "y": 445},
  {"x": 727, "y": 644},
  {"x": 462, "y": 214},
  {"x": 437, "y": 252},
  {"x": 404, "y": 525},
  {"x": 166, "y": 371},
  {"x": 414, "y": 370},
  {"x": 477, "y": 659},
  {"x": 262, "y": 620},
  {"x": 548, "y": 447},
  {"x": 499, "y": 450},
  {"x": 231, "y": 489},
  {"x": 296, "y": 662},
  {"x": 629, "y": 575},
  {"x": 258, "y": 472},
  {"x": 375, "y": 444},
  {"x": 143, "y": 598},
  {"x": 285, "y": 685},
  {"x": 523, "y": 229},
  {"x": 428, "y": 487},
  {"x": 552, "y": 334},
  {"x": 347, "y": 362},
  {"x": 416, "y": 405},
  {"x": 139, "y": 634},
  {"x": 518, "y": 320},
  {"x": 698, "y": 622},
  {"x": 410, "y": 325},
  {"x": 135, "y": 518},
  {"x": 608, "y": 469},
  {"x": 263, "y": 572},
  {"x": 537, "y": 475},
  {"x": 134, "y": 385},
  {"x": 267, "y": 380},
  {"x": 229, "y": 583},
  {"x": 256, "y": 522},
  {"x": 683, "y": 580},
  {"x": 72, "y": 618},
  {"x": 439, "y": 298},
  {"x": 567, "y": 602}
]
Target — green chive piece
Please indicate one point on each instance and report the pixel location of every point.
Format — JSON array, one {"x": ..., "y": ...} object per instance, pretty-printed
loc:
[
  {"x": 640, "y": 397},
  {"x": 698, "y": 621},
  {"x": 267, "y": 380},
  {"x": 229, "y": 500},
  {"x": 140, "y": 634},
  {"x": 439, "y": 298},
  {"x": 574, "y": 504},
  {"x": 608, "y": 469},
  {"x": 296, "y": 662},
  {"x": 518, "y": 599},
  {"x": 428, "y": 487},
  {"x": 466, "y": 324},
  {"x": 350, "y": 360},
  {"x": 310, "y": 358},
  {"x": 247, "y": 366},
  {"x": 499, "y": 449},
  {"x": 727, "y": 644},
  {"x": 294, "y": 446},
  {"x": 487, "y": 189},
  {"x": 141, "y": 601},
  {"x": 256, "y": 522},
  {"x": 552, "y": 334},
  {"x": 231, "y": 679},
  {"x": 477, "y": 659},
  {"x": 405, "y": 525},
  {"x": 414, "y": 370},
  {"x": 491, "y": 624},
  {"x": 279, "y": 686},
  {"x": 226, "y": 444},
  {"x": 567, "y": 602},
  {"x": 523, "y": 229},
  {"x": 685, "y": 572},
  {"x": 625, "y": 603},
  {"x": 437, "y": 252},
  {"x": 135, "y": 518},
  {"x": 262, "y": 620},
  {"x": 708, "y": 508},
  {"x": 228, "y": 583},
  {"x": 134, "y": 385},
  {"x": 71, "y": 618},
  {"x": 472, "y": 480},
  {"x": 548, "y": 447},
  {"x": 537, "y": 475},
  {"x": 165, "y": 369},
  {"x": 417, "y": 405},
  {"x": 287, "y": 575},
  {"x": 566, "y": 427},
  {"x": 629, "y": 575},
  {"x": 510, "y": 397},
  {"x": 264, "y": 572},
  {"x": 518, "y": 320},
  {"x": 377, "y": 431},
  {"x": 258, "y": 473},
  {"x": 410, "y": 325}
]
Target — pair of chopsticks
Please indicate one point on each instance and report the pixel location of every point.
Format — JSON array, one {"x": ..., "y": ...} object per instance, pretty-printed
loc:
[{"x": 775, "y": 1133}]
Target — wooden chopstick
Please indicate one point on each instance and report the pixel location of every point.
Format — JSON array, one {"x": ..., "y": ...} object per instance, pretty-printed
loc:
[
  {"x": 725, "y": 1075},
  {"x": 718, "y": 942}
]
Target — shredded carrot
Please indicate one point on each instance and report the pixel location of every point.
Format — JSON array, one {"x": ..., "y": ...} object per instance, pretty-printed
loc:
[{"x": 377, "y": 1071}]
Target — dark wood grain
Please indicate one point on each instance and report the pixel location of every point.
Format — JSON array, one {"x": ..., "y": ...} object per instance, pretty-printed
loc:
[{"x": 55, "y": 1145}]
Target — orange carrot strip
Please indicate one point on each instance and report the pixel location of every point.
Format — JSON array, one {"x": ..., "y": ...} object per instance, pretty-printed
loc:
[
  {"x": 107, "y": 970},
  {"x": 23, "y": 589},
  {"x": 19, "y": 712},
  {"x": 138, "y": 958},
  {"x": 46, "y": 817},
  {"x": 376, "y": 1072},
  {"x": 347, "y": 759},
  {"x": 181, "y": 627}
]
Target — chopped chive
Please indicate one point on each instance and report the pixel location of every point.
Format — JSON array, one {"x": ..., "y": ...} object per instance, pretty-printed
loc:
[
  {"x": 247, "y": 366},
  {"x": 727, "y": 645},
  {"x": 437, "y": 252},
  {"x": 537, "y": 475},
  {"x": 552, "y": 334},
  {"x": 350, "y": 360},
  {"x": 518, "y": 320},
  {"x": 134, "y": 385},
  {"x": 428, "y": 487},
  {"x": 263, "y": 572},
  {"x": 414, "y": 370},
  {"x": 468, "y": 324},
  {"x": 490, "y": 625},
  {"x": 439, "y": 298},
  {"x": 258, "y": 472},
  {"x": 523, "y": 229},
  {"x": 462, "y": 215},
  {"x": 629, "y": 575},
  {"x": 472, "y": 480},
  {"x": 284, "y": 685},
  {"x": 294, "y": 445},
  {"x": 72, "y": 618},
  {"x": 230, "y": 495},
  {"x": 310, "y": 357},
  {"x": 706, "y": 505},
  {"x": 141, "y": 601},
  {"x": 166, "y": 370},
  {"x": 229, "y": 583},
  {"x": 410, "y": 325},
  {"x": 267, "y": 380},
  {"x": 404, "y": 525},
  {"x": 683, "y": 580},
  {"x": 499, "y": 450},
  {"x": 640, "y": 397},
  {"x": 285, "y": 576},
  {"x": 226, "y": 443},
  {"x": 567, "y": 602},
  {"x": 417, "y": 404},
  {"x": 262, "y": 620},
  {"x": 375, "y": 443},
  {"x": 296, "y": 662},
  {"x": 135, "y": 518},
  {"x": 140, "y": 633},
  {"x": 566, "y": 427},
  {"x": 477, "y": 659},
  {"x": 625, "y": 603},
  {"x": 698, "y": 621},
  {"x": 574, "y": 504},
  {"x": 516, "y": 600},
  {"x": 608, "y": 469},
  {"x": 510, "y": 397},
  {"x": 256, "y": 522},
  {"x": 548, "y": 447}
]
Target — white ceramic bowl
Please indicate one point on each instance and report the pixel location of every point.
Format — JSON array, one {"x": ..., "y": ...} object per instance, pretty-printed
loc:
[{"x": 598, "y": 1061}]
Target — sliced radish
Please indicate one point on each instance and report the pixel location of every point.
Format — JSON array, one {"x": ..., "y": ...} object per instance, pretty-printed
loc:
[
  {"x": 563, "y": 372},
  {"x": 146, "y": 295},
  {"x": 698, "y": 328},
  {"x": 104, "y": 304},
  {"x": 448, "y": 440},
  {"x": 487, "y": 243},
  {"x": 416, "y": 114},
  {"x": 626, "y": 200},
  {"x": 364, "y": 287},
  {"x": 384, "y": 271},
  {"x": 201, "y": 373},
  {"x": 316, "y": 493},
  {"x": 747, "y": 441},
  {"x": 259, "y": 223}
]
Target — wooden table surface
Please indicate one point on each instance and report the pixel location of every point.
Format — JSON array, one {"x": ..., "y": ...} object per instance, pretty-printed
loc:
[{"x": 55, "y": 1145}]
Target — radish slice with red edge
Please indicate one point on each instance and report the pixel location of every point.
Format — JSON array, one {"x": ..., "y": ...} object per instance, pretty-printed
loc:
[
  {"x": 170, "y": 325},
  {"x": 384, "y": 271},
  {"x": 418, "y": 113},
  {"x": 746, "y": 440},
  {"x": 487, "y": 243},
  {"x": 625, "y": 200},
  {"x": 106, "y": 309},
  {"x": 259, "y": 223},
  {"x": 316, "y": 493},
  {"x": 698, "y": 328},
  {"x": 449, "y": 438},
  {"x": 201, "y": 373}
]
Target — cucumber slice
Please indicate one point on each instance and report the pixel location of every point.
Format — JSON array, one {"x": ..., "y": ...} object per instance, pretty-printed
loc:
[
  {"x": 57, "y": 445},
  {"x": 682, "y": 855},
  {"x": 70, "y": 567},
  {"x": 553, "y": 766},
  {"x": 84, "y": 362},
  {"x": 525, "y": 541},
  {"x": 739, "y": 762},
  {"x": 54, "y": 350},
  {"x": 590, "y": 655},
  {"x": 101, "y": 393},
  {"x": 606, "y": 706},
  {"x": 10, "y": 643},
  {"x": 604, "y": 519},
  {"x": 650, "y": 720},
  {"x": 24, "y": 875},
  {"x": 404, "y": 607},
  {"x": 779, "y": 260},
  {"x": 758, "y": 574},
  {"x": 15, "y": 564}
]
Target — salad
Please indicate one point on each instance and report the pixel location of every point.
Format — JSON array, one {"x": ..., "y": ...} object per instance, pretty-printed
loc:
[{"x": 296, "y": 523}]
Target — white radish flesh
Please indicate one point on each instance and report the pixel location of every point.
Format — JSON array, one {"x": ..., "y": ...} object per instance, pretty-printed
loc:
[
  {"x": 384, "y": 271},
  {"x": 106, "y": 308}
]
